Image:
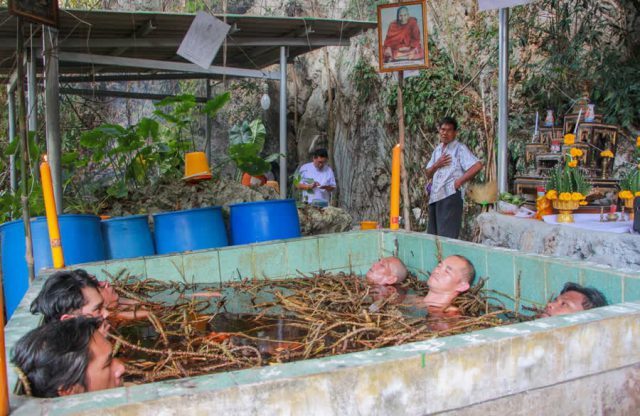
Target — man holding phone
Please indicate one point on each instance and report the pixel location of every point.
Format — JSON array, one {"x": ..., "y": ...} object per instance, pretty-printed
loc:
[{"x": 316, "y": 177}]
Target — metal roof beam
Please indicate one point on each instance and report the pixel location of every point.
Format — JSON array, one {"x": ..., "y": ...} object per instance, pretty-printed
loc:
[
  {"x": 128, "y": 43},
  {"x": 163, "y": 65},
  {"x": 141, "y": 32},
  {"x": 134, "y": 77},
  {"x": 121, "y": 94}
]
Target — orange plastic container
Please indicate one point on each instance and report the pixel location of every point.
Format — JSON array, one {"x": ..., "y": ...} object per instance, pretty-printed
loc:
[{"x": 368, "y": 225}]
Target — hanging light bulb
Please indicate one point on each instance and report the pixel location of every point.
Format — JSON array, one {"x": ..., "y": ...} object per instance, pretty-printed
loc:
[{"x": 265, "y": 101}]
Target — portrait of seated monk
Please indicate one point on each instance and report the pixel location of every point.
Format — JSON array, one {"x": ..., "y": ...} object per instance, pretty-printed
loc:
[
  {"x": 403, "y": 40},
  {"x": 574, "y": 298},
  {"x": 66, "y": 357}
]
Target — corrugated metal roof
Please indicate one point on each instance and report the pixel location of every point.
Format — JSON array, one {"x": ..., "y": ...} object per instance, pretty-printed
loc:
[{"x": 253, "y": 42}]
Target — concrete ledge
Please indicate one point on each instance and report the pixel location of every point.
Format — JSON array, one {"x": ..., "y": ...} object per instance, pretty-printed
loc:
[{"x": 621, "y": 251}]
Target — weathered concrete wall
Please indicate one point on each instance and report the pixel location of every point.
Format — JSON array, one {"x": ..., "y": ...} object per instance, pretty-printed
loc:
[
  {"x": 445, "y": 374},
  {"x": 621, "y": 251},
  {"x": 619, "y": 395}
]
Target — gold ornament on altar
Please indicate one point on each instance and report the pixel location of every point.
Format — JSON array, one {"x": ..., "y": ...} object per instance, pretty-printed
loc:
[{"x": 567, "y": 188}]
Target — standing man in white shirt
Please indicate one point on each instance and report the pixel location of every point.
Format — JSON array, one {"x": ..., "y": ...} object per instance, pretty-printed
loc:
[
  {"x": 452, "y": 165},
  {"x": 317, "y": 176}
]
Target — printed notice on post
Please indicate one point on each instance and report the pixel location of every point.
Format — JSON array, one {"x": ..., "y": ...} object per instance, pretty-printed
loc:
[{"x": 203, "y": 39}]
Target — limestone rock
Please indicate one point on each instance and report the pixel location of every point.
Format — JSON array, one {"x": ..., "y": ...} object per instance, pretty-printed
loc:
[{"x": 314, "y": 220}]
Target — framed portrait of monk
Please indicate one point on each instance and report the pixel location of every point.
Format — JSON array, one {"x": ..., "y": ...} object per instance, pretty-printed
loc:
[
  {"x": 36, "y": 11},
  {"x": 402, "y": 36}
]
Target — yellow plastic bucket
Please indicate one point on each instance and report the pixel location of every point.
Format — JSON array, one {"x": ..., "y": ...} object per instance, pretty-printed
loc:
[
  {"x": 196, "y": 166},
  {"x": 368, "y": 225}
]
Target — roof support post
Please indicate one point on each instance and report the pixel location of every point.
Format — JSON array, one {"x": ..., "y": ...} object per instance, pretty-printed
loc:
[
  {"x": 52, "y": 108},
  {"x": 32, "y": 95},
  {"x": 11, "y": 103},
  {"x": 208, "y": 125},
  {"x": 283, "y": 122},
  {"x": 503, "y": 99}
]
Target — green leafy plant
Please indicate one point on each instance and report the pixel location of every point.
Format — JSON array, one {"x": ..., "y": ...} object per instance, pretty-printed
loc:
[
  {"x": 134, "y": 156},
  {"x": 246, "y": 141},
  {"x": 10, "y": 204}
]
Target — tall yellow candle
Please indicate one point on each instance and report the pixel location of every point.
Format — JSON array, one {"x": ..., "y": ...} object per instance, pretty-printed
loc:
[
  {"x": 394, "y": 218},
  {"x": 52, "y": 215}
]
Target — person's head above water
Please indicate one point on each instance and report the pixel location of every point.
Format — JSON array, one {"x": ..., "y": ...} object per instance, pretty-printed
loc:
[
  {"x": 387, "y": 271},
  {"x": 574, "y": 298},
  {"x": 68, "y": 294},
  {"x": 452, "y": 276},
  {"x": 67, "y": 357}
]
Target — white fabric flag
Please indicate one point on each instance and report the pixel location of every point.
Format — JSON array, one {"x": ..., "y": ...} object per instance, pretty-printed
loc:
[
  {"x": 203, "y": 39},
  {"x": 499, "y": 4}
]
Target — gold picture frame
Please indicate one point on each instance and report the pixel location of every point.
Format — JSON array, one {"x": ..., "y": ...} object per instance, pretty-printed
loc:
[
  {"x": 36, "y": 11},
  {"x": 402, "y": 36}
]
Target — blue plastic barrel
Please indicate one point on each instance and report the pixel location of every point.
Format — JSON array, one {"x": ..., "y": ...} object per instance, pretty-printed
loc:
[
  {"x": 252, "y": 222},
  {"x": 192, "y": 229},
  {"x": 81, "y": 243},
  {"x": 127, "y": 237}
]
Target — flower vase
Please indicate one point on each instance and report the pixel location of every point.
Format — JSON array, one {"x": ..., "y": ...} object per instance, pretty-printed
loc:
[
  {"x": 606, "y": 161},
  {"x": 565, "y": 209},
  {"x": 628, "y": 203}
]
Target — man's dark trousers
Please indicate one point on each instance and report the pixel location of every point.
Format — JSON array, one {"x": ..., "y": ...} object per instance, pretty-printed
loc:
[{"x": 445, "y": 216}]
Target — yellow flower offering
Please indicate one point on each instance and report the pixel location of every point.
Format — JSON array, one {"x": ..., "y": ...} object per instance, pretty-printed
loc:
[
  {"x": 575, "y": 152},
  {"x": 638, "y": 141},
  {"x": 625, "y": 194},
  {"x": 573, "y": 163},
  {"x": 582, "y": 202},
  {"x": 552, "y": 194},
  {"x": 569, "y": 139},
  {"x": 577, "y": 196},
  {"x": 565, "y": 196},
  {"x": 638, "y": 193},
  {"x": 606, "y": 153}
]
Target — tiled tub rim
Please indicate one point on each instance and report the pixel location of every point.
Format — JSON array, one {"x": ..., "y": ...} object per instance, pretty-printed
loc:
[{"x": 181, "y": 388}]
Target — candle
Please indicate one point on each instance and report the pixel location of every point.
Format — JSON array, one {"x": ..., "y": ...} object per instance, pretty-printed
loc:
[
  {"x": 52, "y": 215},
  {"x": 394, "y": 219},
  {"x": 612, "y": 209},
  {"x": 575, "y": 130},
  {"x": 535, "y": 132}
]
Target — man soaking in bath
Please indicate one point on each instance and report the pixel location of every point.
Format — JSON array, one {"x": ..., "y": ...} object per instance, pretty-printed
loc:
[
  {"x": 72, "y": 293},
  {"x": 66, "y": 357},
  {"x": 574, "y": 298},
  {"x": 451, "y": 277}
]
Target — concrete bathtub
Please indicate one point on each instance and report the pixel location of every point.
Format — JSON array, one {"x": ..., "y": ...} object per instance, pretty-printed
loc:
[{"x": 586, "y": 363}]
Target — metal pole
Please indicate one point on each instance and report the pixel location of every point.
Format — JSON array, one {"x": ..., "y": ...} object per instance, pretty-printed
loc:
[
  {"x": 11, "y": 103},
  {"x": 208, "y": 126},
  {"x": 283, "y": 122},
  {"x": 32, "y": 97},
  {"x": 52, "y": 107},
  {"x": 503, "y": 99}
]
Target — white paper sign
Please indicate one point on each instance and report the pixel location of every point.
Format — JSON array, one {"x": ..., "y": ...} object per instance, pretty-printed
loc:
[
  {"x": 499, "y": 4},
  {"x": 203, "y": 39}
]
